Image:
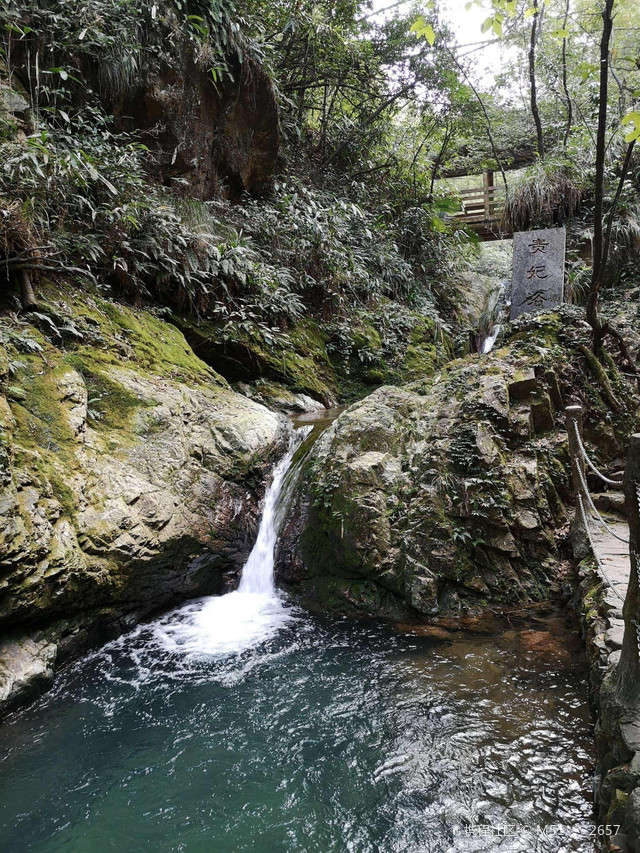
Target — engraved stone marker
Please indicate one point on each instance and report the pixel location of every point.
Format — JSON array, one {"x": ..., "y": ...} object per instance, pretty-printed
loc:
[{"x": 538, "y": 271}]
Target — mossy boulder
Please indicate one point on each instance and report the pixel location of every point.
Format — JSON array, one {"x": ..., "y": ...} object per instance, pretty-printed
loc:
[
  {"x": 448, "y": 494},
  {"x": 339, "y": 363},
  {"x": 131, "y": 475},
  {"x": 297, "y": 361}
]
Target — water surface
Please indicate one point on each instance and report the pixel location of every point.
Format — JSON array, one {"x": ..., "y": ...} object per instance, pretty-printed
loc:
[
  {"x": 324, "y": 736},
  {"x": 241, "y": 723}
]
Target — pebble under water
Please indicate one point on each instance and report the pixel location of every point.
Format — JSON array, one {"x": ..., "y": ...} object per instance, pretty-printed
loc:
[{"x": 324, "y": 736}]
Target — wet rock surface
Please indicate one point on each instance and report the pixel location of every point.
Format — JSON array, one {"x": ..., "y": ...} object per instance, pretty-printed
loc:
[
  {"x": 213, "y": 137},
  {"x": 445, "y": 495},
  {"x": 126, "y": 484}
]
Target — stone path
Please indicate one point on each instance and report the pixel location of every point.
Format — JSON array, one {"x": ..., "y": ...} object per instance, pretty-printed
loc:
[{"x": 614, "y": 557}]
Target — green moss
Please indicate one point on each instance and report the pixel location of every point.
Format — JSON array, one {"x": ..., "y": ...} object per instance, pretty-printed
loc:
[
  {"x": 601, "y": 376},
  {"x": 40, "y": 419},
  {"x": 108, "y": 333},
  {"x": 158, "y": 347},
  {"x": 341, "y": 595},
  {"x": 299, "y": 361},
  {"x": 109, "y": 404},
  {"x": 43, "y": 443},
  {"x": 62, "y": 492},
  {"x": 375, "y": 376},
  {"x": 368, "y": 337}
]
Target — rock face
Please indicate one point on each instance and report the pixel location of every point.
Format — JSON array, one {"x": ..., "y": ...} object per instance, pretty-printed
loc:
[
  {"x": 444, "y": 495},
  {"x": 131, "y": 477},
  {"x": 212, "y": 137},
  {"x": 206, "y": 132}
]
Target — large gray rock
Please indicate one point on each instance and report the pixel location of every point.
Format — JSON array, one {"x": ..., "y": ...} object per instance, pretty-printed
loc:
[
  {"x": 123, "y": 488},
  {"x": 26, "y": 667},
  {"x": 445, "y": 495}
]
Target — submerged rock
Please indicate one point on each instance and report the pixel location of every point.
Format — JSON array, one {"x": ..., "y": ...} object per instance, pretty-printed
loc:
[{"x": 448, "y": 494}]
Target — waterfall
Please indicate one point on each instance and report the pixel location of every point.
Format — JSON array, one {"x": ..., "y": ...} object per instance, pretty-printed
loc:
[
  {"x": 252, "y": 614},
  {"x": 488, "y": 341},
  {"x": 257, "y": 575},
  {"x": 495, "y": 307}
]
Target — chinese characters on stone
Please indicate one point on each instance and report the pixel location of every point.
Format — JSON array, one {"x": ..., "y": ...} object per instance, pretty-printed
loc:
[{"x": 538, "y": 270}]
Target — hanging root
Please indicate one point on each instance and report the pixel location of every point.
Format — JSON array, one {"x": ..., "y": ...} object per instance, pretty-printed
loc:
[{"x": 601, "y": 376}]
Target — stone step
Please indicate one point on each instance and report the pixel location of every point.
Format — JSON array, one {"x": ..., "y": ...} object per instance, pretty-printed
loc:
[
  {"x": 615, "y": 634},
  {"x": 610, "y": 502}
]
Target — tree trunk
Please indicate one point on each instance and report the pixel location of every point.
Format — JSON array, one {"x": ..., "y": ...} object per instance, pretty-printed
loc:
[
  {"x": 565, "y": 86},
  {"x": 601, "y": 149},
  {"x": 612, "y": 210},
  {"x": 532, "y": 79},
  {"x": 436, "y": 166}
]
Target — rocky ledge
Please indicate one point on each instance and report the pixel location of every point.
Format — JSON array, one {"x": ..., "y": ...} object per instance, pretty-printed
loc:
[
  {"x": 131, "y": 477},
  {"x": 449, "y": 494}
]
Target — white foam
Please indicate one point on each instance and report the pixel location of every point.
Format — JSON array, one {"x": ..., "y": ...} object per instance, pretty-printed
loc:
[
  {"x": 489, "y": 341},
  {"x": 223, "y": 625},
  {"x": 255, "y": 612}
]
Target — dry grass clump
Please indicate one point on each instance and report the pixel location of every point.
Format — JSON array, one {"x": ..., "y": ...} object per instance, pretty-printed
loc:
[{"x": 549, "y": 193}]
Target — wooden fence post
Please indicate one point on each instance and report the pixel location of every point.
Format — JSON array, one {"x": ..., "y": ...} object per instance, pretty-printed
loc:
[
  {"x": 628, "y": 671},
  {"x": 487, "y": 189},
  {"x": 579, "y": 538}
]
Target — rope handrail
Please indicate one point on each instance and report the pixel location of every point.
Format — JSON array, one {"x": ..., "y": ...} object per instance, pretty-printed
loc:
[
  {"x": 593, "y": 509},
  {"x": 590, "y": 463},
  {"x": 594, "y": 551}
]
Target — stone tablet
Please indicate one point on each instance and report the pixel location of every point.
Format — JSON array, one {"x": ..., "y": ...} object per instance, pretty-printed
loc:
[{"x": 538, "y": 271}]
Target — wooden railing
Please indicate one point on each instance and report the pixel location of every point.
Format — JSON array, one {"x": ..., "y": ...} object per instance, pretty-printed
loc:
[{"x": 481, "y": 205}]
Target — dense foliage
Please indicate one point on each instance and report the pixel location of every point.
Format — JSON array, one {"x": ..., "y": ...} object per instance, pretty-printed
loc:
[{"x": 374, "y": 110}]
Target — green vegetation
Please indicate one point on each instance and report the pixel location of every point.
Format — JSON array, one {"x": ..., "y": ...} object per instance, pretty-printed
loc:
[{"x": 347, "y": 270}]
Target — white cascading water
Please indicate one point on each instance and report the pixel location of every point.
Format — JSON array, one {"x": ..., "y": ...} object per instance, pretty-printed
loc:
[
  {"x": 497, "y": 304},
  {"x": 253, "y": 613},
  {"x": 489, "y": 341},
  {"x": 257, "y": 574}
]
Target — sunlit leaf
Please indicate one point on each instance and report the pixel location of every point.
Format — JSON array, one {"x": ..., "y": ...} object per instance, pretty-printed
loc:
[
  {"x": 632, "y": 120},
  {"x": 423, "y": 30}
]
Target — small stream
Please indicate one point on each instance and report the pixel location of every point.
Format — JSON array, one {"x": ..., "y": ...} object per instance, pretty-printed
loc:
[{"x": 243, "y": 723}]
